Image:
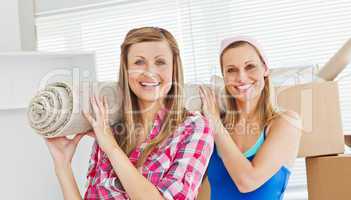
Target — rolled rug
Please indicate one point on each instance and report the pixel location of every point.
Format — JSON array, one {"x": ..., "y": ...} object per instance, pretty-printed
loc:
[
  {"x": 56, "y": 110},
  {"x": 192, "y": 99}
]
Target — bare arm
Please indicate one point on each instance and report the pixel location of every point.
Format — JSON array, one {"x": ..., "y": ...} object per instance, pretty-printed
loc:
[
  {"x": 279, "y": 149},
  {"x": 135, "y": 184},
  {"x": 68, "y": 183},
  {"x": 62, "y": 151}
]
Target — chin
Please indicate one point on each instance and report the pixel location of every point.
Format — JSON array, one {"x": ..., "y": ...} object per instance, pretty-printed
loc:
[
  {"x": 149, "y": 97},
  {"x": 245, "y": 98}
]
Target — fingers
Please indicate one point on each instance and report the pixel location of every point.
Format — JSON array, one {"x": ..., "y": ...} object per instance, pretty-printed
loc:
[
  {"x": 208, "y": 92},
  {"x": 203, "y": 99},
  {"x": 106, "y": 111},
  {"x": 90, "y": 133},
  {"x": 209, "y": 102},
  {"x": 99, "y": 103},
  {"x": 95, "y": 107},
  {"x": 77, "y": 138},
  {"x": 99, "y": 107},
  {"x": 205, "y": 94},
  {"x": 89, "y": 118}
]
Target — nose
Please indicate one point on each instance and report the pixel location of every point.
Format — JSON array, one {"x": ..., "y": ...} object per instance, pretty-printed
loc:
[
  {"x": 242, "y": 76},
  {"x": 150, "y": 67},
  {"x": 150, "y": 71}
]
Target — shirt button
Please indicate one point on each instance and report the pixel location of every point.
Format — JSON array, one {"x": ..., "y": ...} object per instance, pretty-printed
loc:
[{"x": 189, "y": 177}]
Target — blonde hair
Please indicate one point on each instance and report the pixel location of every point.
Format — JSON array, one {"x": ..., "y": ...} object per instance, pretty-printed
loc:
[
  {"x": 265, "y": 111},
  {"x": 173, "y": 102}
]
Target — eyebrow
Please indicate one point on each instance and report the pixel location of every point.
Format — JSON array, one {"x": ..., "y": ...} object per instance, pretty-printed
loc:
[
  {"x": 140, "y": 57},
  {"x": 154, "y": 57},
  {"x": 248, "y": 61},
  {"x": 159, "y": 56},
  {"x": 230, "y": 66}
]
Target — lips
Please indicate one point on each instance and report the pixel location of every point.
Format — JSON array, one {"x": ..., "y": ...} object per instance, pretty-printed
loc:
[
  {"x": 244, "y": 87},
  {"x": 149, "y": 84}
]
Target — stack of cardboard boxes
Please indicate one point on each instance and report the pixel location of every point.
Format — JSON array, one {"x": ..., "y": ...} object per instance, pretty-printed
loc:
[{"x": 322, "y": 141}]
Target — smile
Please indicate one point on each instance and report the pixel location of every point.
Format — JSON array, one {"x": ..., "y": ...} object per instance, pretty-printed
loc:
[
  {"x": 149, "y": 84},
  {"x": 244, "y": 88}
]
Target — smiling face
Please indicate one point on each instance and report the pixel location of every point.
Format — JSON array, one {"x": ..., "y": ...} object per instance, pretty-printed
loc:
[
  {"x": 243, "y": 72},
  {"x": 150, "y": 70}
]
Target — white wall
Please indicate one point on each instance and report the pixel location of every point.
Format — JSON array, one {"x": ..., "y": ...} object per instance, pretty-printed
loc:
[
  {"x": 17, "y": 25},
  {"x": 27, "y": 24},
  {"x": 25, "y": 159},
  {"x": 50, "y": 5},
  {"x": 9, "y": 23},
  {"x": 26, "y": 169}
]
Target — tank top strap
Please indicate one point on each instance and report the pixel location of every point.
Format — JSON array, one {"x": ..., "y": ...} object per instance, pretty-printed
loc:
[{"x": 253, "y": 150}]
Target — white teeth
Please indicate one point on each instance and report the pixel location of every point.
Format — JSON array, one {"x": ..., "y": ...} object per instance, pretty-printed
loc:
[
  {"x": 244, "y": 87},
  {"x": 150, "y": 84}
]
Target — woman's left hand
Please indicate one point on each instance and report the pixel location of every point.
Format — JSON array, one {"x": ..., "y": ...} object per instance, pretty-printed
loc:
[
  {"x": 209, "y": 104},
  {"x": 102, "y": 130}
]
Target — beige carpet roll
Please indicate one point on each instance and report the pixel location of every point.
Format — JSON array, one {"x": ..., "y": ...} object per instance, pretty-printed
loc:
[
  {"x": 192, "y": 99},
  {"x": 56, "y": 110}
]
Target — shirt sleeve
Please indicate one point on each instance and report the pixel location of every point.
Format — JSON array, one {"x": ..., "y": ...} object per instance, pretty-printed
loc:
[{"x": 185, "y": 174}]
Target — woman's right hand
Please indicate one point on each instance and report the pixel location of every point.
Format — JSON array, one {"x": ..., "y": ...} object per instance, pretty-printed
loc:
[{"x": 62, "y": 149}]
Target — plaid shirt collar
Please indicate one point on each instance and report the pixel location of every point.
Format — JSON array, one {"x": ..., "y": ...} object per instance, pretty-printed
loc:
[{"x": 155, "y": 130}]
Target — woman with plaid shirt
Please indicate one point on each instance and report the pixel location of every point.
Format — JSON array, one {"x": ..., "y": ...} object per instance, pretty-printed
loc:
[{"x": 159, "y": 150}]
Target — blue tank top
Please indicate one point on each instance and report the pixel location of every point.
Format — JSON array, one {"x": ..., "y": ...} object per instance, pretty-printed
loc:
[{"x": 223, "y": 187}]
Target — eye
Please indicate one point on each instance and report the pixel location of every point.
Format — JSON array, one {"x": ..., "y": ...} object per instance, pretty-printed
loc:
[
  {"x": 250, "y": 67},
  {"x": 139, "y": 62},
  {"x": 231, "y": 70},
  {"x": 160, "y": 62}
]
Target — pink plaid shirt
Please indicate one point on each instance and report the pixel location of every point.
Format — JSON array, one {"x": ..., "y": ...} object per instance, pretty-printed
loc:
[{"x": 176, "y": 167}]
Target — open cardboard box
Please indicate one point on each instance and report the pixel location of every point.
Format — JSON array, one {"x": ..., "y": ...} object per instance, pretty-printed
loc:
[{"x": 319, "y": 108}]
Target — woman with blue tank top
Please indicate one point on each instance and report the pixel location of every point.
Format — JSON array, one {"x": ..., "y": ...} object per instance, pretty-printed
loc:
[{"x": 255, "y": 146}]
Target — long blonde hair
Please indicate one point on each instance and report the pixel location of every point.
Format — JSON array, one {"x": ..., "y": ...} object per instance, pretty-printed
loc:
[
  {"x": 173, "y": 102},
  {"x": 264, "y": 110}
]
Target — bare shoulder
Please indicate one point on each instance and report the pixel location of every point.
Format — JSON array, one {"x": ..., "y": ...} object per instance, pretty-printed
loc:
[
  {"x": 286, "y": 122},
  {"x": 290, "y": 114}
]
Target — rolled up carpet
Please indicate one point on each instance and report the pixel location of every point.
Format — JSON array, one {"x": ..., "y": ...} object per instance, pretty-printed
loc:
[
  {"x": 192, "y": 99},
  {"x": 56, "y": 110}
]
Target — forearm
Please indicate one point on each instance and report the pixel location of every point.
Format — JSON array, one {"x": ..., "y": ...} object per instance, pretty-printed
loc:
[
  {"x": 133, "y": 182},
  {"x": 67, "y": 182},
  {"x": 241, "y": 170}
]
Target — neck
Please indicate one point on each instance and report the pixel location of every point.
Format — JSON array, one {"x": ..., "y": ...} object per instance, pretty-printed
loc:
[
  {"x": 149, "y": 110},
  {"x": 247, "y": 108}
]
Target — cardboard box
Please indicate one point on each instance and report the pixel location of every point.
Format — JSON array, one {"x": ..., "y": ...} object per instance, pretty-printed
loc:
[
  {"x": 318, "y": 106},
  {"x": 329, "y": 177}
]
